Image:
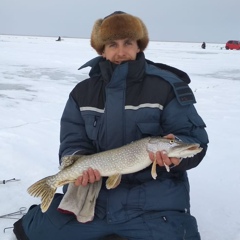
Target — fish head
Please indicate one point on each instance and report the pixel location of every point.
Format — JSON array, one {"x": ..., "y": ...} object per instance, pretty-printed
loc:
[{"x": 173, "y": 148}]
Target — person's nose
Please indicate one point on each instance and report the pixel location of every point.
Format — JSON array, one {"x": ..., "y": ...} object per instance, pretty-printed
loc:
[{"x": 121, "y": 51}]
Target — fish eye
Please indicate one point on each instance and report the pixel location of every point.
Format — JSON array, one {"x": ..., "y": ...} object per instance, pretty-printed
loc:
[{"x": 171, "y": 141}]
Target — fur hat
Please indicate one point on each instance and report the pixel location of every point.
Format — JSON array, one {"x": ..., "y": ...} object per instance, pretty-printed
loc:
[{"x": 118, "y": 25}]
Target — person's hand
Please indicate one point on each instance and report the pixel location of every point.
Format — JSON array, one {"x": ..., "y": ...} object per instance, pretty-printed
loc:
[
  {"x": 89, "y": 176},
  {"x": 161, "y": 157}
]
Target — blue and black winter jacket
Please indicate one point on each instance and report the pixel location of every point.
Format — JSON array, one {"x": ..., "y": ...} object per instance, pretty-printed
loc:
[{"x": 122, "y": 103}]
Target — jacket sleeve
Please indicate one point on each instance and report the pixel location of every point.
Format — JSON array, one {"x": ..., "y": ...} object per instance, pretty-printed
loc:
[
  {"x": 73, "y": 136},
  {"x": 185, "y": 123}
]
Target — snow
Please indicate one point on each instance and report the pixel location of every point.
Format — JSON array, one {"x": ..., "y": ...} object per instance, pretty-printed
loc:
[{"x": 36, "y": 76}]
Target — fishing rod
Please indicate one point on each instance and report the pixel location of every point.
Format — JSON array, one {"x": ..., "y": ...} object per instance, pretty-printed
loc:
[{"x": 9, "y": 180}]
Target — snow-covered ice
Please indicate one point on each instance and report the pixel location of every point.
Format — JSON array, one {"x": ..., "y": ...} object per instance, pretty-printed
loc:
[{"x": 36, "y": 76}]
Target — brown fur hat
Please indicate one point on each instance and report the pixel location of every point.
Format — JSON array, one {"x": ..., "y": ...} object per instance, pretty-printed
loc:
[{"x": 118, "y": 25}]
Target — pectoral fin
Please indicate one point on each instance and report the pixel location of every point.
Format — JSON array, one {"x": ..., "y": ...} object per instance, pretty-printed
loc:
[
  {"x": 113, "y": 181},
  {"x": 154, "y": 171}
]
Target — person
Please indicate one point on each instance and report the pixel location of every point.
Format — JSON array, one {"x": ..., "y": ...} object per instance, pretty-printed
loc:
[
  {"x": 59, "y": 39},
  {"x": 203, "y": 45},
  {"x": 126, "y": 97}
]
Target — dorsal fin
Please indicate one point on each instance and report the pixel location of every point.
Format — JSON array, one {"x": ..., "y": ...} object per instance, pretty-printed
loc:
[{"x": 69, "y": 160}]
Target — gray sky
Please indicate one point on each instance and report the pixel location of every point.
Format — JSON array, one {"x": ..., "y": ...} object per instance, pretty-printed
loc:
[{"x": 171, "y": 20}]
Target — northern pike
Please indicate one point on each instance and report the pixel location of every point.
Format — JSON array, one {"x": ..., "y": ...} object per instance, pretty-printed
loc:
[{"x": 130, "y": 158}]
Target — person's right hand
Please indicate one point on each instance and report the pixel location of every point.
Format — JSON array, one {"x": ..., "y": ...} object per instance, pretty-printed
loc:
[{"x": 89, "y": 176}]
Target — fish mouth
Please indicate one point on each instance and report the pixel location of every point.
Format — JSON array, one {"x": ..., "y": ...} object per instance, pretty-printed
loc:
[
  {"x": 193, "y": 147},
  {"x": 184, "y": 152}
]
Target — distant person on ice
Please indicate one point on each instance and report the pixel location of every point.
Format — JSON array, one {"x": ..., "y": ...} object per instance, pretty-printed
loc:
[
  {"x": 203, "y": 45},
  {"x": 59, "y": 39},
  {"x": 125, "y": 98}
]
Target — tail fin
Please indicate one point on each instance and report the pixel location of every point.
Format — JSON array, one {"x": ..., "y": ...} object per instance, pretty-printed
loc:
[{"x": 42, "y": 189}]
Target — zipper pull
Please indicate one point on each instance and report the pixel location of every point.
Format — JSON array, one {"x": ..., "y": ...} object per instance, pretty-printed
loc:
[
  {"x": 95, "y": 122},
  {"x": 164, "y": 218}
]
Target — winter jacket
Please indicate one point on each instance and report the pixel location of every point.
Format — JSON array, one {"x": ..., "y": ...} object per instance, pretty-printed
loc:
[{"x": 122, "y": 103}]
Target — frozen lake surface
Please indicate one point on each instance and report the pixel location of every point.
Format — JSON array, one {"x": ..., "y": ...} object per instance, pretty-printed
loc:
[{"x": 36, "y": 77}]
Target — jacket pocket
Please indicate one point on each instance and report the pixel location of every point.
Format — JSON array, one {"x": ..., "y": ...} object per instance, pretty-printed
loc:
[
  {"x": 198, "y": 126},
  {"x": 92, "y": 125},
  {"x": 196, "y": 120},
  {"x": 163, "y": 194},
  {"x": 149, "y": 129}
]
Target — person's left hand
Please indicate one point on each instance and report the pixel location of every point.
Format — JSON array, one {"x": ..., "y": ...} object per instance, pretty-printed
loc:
[
  {"x": 161, "y": 157},
  {"x": 88, "y": 176}
]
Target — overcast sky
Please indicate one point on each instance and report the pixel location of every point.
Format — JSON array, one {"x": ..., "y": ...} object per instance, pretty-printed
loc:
[{"x": 171, "y": 20}]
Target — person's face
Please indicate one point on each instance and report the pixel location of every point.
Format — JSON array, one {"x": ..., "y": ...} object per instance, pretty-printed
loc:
[{"x": 121, "y": 50}]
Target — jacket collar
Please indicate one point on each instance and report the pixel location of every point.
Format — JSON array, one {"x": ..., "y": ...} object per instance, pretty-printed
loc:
[{"x": 102, "y": 67}]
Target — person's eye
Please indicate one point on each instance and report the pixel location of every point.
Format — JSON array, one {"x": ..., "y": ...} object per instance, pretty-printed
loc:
[
  {"x": 112, "y": 45},
  {"x": 128, "y": 43}
]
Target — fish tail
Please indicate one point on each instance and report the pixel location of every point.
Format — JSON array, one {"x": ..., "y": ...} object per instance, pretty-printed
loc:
[{"x": 44, "y": 190}]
